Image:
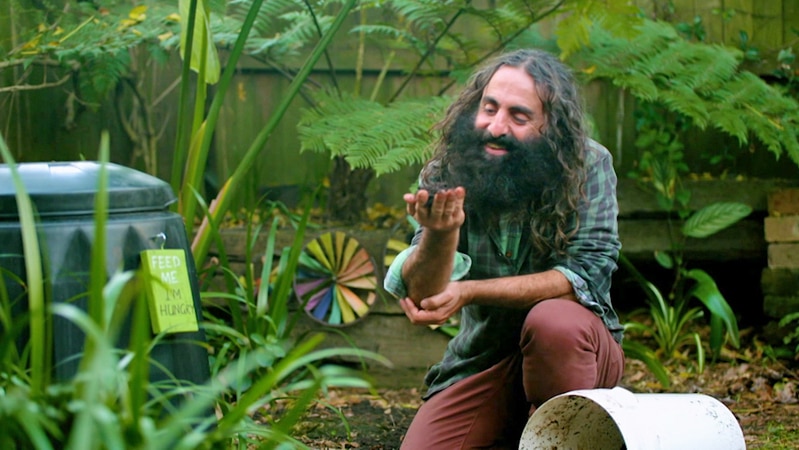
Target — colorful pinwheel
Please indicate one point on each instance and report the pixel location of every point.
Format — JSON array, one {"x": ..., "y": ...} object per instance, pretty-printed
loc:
[{"x": 336, "y": 281}]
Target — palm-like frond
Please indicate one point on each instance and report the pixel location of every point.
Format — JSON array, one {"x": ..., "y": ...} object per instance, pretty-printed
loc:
[
  {"x": 702, "y": 82},
  {"x": 269, "y": 15},
  {"x": 282, "y": 28},
  {"x": 386, "y": 138},
  {"x": 369, "y": 134}
]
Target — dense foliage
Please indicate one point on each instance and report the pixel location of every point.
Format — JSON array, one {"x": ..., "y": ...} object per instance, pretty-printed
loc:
[{"x": 254, "y": 357}]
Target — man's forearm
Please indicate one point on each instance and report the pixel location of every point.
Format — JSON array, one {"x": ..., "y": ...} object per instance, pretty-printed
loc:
[
  {"x": 428, "y": 269},
  {"x": 521, "y": 291}
]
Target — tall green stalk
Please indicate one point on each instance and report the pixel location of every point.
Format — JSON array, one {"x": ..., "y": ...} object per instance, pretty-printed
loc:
[
  {"x": 97, "y": 268},
  {"x": 199, "y": 155},
  {"x": 40, "y": 363},
  {"x": 97, "y": 274},
  {"x": 184, "y": 132},
  {"x": 202, "y": 241}
]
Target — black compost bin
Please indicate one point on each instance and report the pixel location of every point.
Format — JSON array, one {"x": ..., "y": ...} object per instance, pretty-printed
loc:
[{"x": 138, "y": 219}]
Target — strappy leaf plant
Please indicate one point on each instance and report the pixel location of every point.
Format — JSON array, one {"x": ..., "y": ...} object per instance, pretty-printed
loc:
[
  {"x": 680, "y": 85},
  {"x": 673, "y": 313},
  {"x": 111, "y": 402}
]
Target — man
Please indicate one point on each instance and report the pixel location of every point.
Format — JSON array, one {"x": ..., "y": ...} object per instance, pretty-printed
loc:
[{"x": 517, "y": 212}]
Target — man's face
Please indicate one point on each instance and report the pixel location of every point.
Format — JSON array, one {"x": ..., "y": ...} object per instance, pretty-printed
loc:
[
  {"x": 500, "y": 174},
  {"x": 510, "y": 107}
]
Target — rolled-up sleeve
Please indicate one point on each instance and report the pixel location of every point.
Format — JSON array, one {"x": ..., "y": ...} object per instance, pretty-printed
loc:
[
  {"x": 395, "y": 285},
  {"x": 594, "y": 249}
]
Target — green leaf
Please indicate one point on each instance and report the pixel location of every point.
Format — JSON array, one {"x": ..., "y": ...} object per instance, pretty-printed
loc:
[
  {"x": 384, "y": 138},
  {"x": 664, "y": 259},
  {"x": 637, "y": 350},
  {"x": 700, "y": 352},
  {"x": 708, "y": 293},
  {"x": 39, "y": 332},
  {"x": 716, "y": 334},
  {"x": 204, "y": 58},
  {"x": 714, "y": 217},
  {"x": 573, "y": 33}
]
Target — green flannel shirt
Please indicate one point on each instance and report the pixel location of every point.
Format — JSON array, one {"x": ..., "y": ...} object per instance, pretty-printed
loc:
[{"x": 489, "y": 333}]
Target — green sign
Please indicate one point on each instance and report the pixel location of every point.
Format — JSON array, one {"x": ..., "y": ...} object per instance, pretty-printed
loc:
[{"x": 169, "y": 293}]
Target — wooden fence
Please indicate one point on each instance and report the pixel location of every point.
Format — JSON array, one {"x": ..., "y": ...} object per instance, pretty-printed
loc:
[{"x": 48, "y": 125}]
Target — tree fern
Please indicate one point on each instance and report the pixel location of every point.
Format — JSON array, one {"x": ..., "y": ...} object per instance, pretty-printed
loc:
[
  {"x": 702, "y": 82},
  {"x": 729, "y": 121},
  {"x": 282, "y": 29},
  {"x": 389, "y": 135},
  {"x": 425, "y": 15},
  {"x": 619, "y": 17},
  {"x": 380, "y": 31},
  {"x": 268, "y": 19},
  {"x": 369, "y": 134}
]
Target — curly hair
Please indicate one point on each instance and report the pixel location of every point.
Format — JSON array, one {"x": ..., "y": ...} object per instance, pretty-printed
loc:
[{"x": 554, "y": 220}]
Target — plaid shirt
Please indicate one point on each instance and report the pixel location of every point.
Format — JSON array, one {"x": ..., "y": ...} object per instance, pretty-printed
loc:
[{"x": 489, "y": 333}]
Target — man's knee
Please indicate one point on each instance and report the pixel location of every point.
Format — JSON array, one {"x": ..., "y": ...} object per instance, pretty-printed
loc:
[{"x": 558, "y": 323}]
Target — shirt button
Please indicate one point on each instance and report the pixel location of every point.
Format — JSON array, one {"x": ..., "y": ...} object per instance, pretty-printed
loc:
[{"x": 508, "y": 254}]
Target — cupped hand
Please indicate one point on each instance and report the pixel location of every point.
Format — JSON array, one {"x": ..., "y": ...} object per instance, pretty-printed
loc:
[
  {"x": 444, "y": 214},
  {"x": 436, "y": 309}
]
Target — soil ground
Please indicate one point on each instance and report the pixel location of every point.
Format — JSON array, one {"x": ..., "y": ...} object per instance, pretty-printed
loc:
[{"x": 763, "y": 394}]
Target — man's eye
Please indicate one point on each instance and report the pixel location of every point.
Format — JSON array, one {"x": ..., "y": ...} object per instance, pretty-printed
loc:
[{"x": 521, "y": 119}]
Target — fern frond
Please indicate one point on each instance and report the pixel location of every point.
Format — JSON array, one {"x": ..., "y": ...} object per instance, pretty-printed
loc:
[
  {"x": 618, "y": 17},
  {"x": 708, "y": 67},
  {"x": 368, "y": 134},
  {"x": 702, "y": 82},
  {"x": 729, "y": 120},
  {"x": 506, "y": 18},
  {"x": 684, "y": 100},
  {"x": 268, "y": 18},
  {"x": 381, "y": 31},
  {"x": 641, "y": 85},
  {"x": 424, "y": 14}
]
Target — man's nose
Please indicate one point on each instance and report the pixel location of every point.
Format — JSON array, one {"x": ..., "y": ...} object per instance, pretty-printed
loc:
[{"x": 498, "y": 125}]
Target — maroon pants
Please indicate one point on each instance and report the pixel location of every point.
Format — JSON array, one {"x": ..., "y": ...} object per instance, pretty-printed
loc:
[{"x": 563, "y": 347}]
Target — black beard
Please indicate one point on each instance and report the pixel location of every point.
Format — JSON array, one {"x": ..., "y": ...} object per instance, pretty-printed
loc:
[{"x": 511, "y": 183}]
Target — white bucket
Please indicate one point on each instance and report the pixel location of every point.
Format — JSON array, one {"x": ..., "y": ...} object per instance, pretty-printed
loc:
[{"x": 599, "y": 419}]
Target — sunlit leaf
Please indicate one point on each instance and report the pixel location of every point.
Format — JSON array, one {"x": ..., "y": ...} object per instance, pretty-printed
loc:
[
  {"x": 204, "y": 48},
  {"x": 708, "y": 293},
  {"x": 714, "y": 217},
  {"x": 664, "y": 259}
]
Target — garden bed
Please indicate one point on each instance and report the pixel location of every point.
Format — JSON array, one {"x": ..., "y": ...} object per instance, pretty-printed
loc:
[
  {"x": 761, "y": 393},
  {"x": 739, "y": 251}
]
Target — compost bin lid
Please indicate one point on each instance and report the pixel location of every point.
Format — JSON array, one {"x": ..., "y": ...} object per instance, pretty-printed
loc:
[{"x": 68, "y": 189}]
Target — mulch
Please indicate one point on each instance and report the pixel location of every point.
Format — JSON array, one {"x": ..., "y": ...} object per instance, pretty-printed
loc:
[{"x": 762, "y": 393}]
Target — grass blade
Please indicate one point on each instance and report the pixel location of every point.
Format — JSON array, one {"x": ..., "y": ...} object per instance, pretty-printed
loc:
[{"x": 40, "y": 365}]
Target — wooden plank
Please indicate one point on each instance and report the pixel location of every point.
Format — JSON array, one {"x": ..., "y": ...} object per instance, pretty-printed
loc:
[
  {"x": 684, "y": 11},
  {"x": 783, "y": 256},
  {"x": 767, "y": 25},
  {"x": 739, "y": 20},
  {"x": 640, "y": 201},
  {"x": 611, "y": 108},
  {"x": 713, "y": 20},
  {"x": 790, "y": 20},
  {"x": 744, "y": 240},
  {"x": 391, "y": 335},
  {"x": 781, "y": 229}
]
